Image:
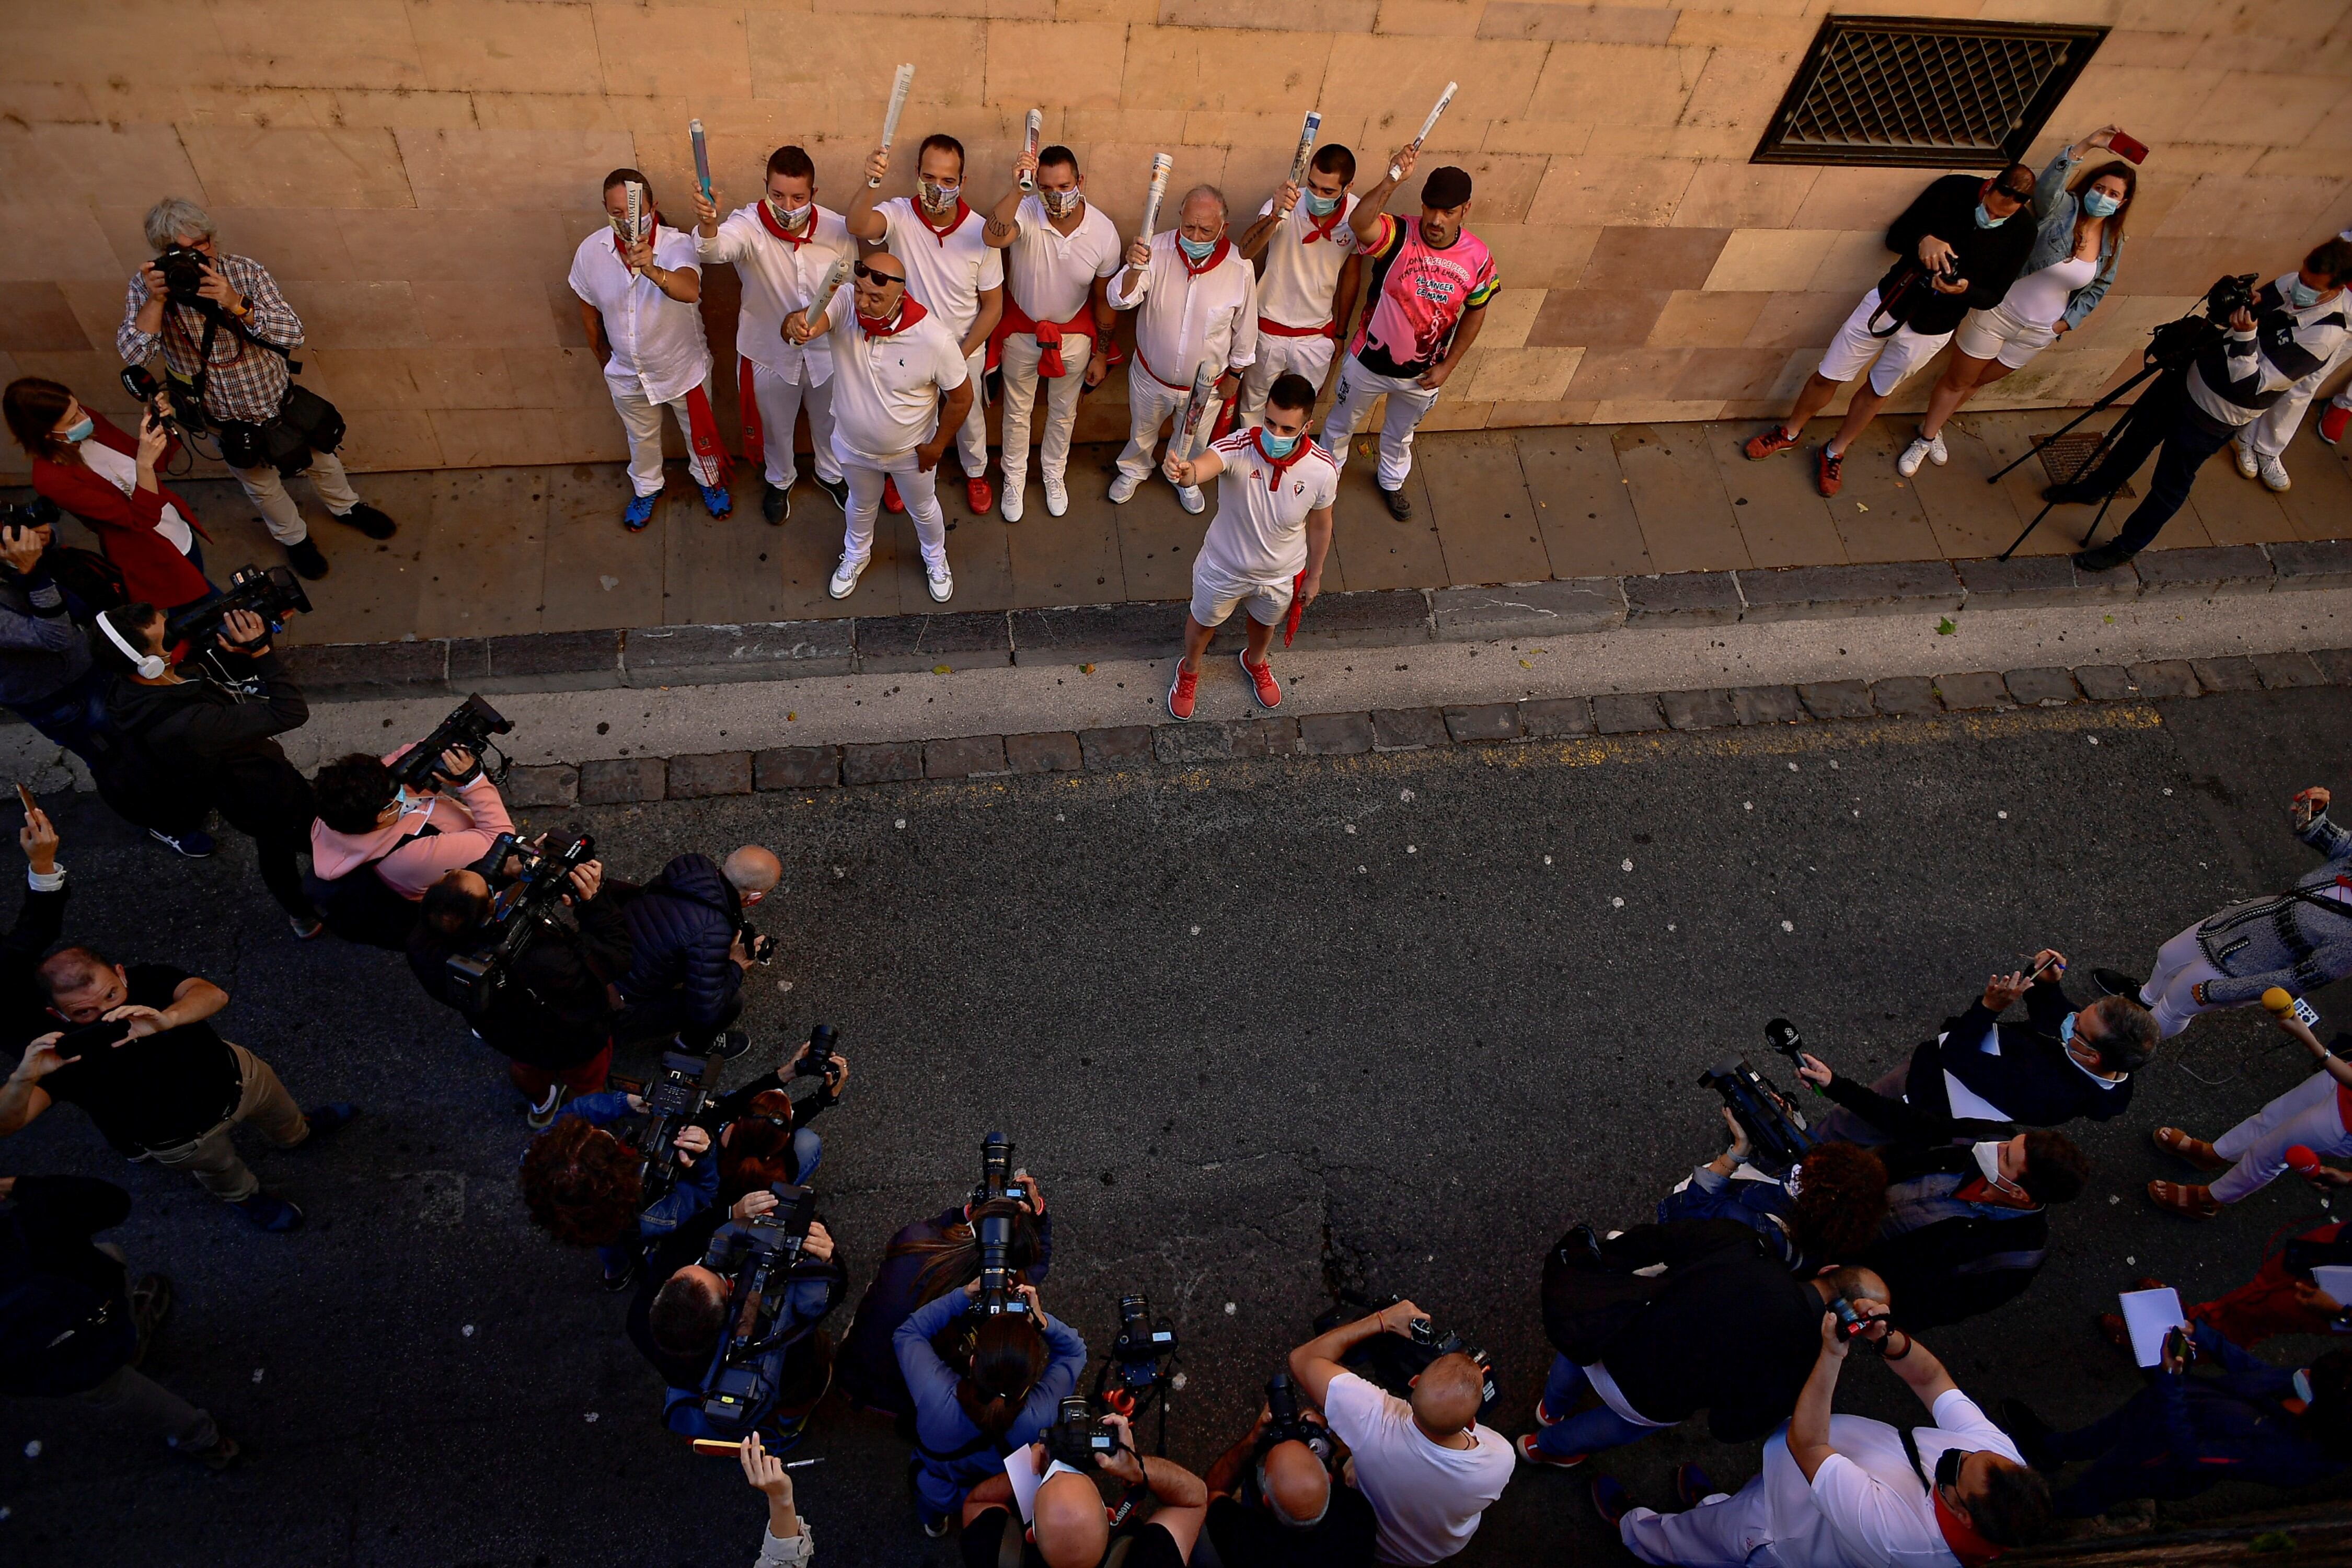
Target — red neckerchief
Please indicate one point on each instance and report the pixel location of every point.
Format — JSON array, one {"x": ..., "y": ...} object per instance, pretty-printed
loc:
[
  {"x": 767, "y": 221},
  {"x": 1981, "y": 1191},
  {"x": 1321, "y": 229},
  {"x": 622, "y": 251},
  {"x": 1224, "y": 244},
  {"x": 1281, "y": 466},
  {"x": 911, "y": 311},
  {"x": 1973, "y": 1550},
  {"x": 961, "y": 212}
]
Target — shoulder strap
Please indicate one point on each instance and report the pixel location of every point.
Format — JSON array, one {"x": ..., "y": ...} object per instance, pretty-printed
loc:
[
  {"x": 1011, "y": 1545},
  {"x": 1911, "y": 1452}
]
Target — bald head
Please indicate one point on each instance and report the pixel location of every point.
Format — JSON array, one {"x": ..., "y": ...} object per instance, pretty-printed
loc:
[
  {"x": 1447, "y": 1397},
  {"x": 1071, "y": 1528},
  {"x": 1296, "y": 1485},
  {"x": 752, "y": 872}
]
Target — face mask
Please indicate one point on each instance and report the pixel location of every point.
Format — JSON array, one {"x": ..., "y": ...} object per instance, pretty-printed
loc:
[
  {"x": 406, "y": 801},
  {"x": 2303, "y": 294},
  {"x": 1060, "y": 203},
  {"x": 1988, "y": 1157},
  {"x": 81, "y": 432},
  {"x": 2066, "y": 1028},
  {"x": 1322, "y": 207},
  {"x": 2098, "y": 203},
  {"x": 938, "y": 197},
  {"x": 1986, "y": 219},
  {"x": 1277, "y": 446},
  {"x": 791, "y": 217},
  {"x": 2302, "y": 1385},
  {"x": 1198, "y": 250}
]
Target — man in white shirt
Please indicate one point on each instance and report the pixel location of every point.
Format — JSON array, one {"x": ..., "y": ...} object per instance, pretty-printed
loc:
[
  {"x": 640, "y": 300},
  {"x": 1845, "y": 1492},
  {"x": 1198, "y": 302},
  {"x": 951, "y": 270},
  {"x": 1265, "y": 546},
  {"x": 780, "y": 246},
  {"x": 1429, "y": 1468},
  {"x": 1308, "y": 282},
  {"x": 892, "y": 362},
  {"x": 1062, "y": 251}
]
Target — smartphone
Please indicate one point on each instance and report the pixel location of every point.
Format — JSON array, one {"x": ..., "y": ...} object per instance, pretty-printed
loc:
[
  {"x": 26, "y": 797},
  {"x": 2129, "y": 147},
  {"x": 2177, "y": 1342}
]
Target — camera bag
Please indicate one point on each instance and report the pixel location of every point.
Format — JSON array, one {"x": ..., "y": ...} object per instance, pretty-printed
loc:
[{"x": 305, "y": 422}]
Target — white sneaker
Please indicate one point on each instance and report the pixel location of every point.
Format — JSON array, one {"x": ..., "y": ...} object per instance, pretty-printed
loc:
[
  {"x": 1010, "y": 507},
  {"x": 1913, "y": 456},
  {"x": 1938, "y": 453},
  {"x": 1189, "y": 498},
  {"x": 2273, "y": 473},
  {"x": 1122, "y": 490},
  {"x": 2247, "y": 463},
  {"x": 1058, "y": 498},
  {"x": 940, "y": 581},
  {"x": 845, "y": 579}
]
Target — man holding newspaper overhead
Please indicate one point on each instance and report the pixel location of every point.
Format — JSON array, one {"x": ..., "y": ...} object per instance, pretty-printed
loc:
[
  {"x": 1311, "y": 266},
  {"x": 1196, "y": 303}
]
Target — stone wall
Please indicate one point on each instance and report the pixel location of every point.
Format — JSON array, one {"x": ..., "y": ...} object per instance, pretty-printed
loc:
[{"x": 417, "y": 174}]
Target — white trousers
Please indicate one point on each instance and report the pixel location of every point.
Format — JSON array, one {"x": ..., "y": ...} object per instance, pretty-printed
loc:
[
  {"x": 2269, "y": 435},
  {"x": 1149, "y": 404},
  {"x": 781, "y": 402},
  {"x": 918, "y": 488},
  {"x": 971, "y": 441},
  {"x": 266, "y": 489},
  {"x": 1720, "y": 1532},
  {"x": 1409, "y": 402},
  {"x": 641, "y": 417},
  {"x": 1018, "y": 362},
  {"x": 2305, "y": 1114},
  {"x": 1276, "y": 356},
  {"x": 2181, "y": 966}
]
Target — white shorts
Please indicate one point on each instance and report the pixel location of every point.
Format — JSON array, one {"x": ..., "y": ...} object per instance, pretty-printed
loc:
[
  {"x": 1854, "y": 350},
  {"x": 1998, "y": 334},
  {"x": 1216, "y": 598}
]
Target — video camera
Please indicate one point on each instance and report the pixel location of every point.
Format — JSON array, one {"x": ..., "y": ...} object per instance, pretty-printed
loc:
[
  {"x": 1078, "y": 1437},
  {"x": 470, "y": 727},
  {"x": 822, "y": 1055},
  {"x": 755, "y": 1258},
  {"x": 994, "y": 1232},
  {"x": 1778, "y": 1134},
  {"x": 1391, "y": 1361},
  {"x": 672, "y": 1101},
  {"x": 518, "y": 914},
  {"x": 270, "y": 592}
]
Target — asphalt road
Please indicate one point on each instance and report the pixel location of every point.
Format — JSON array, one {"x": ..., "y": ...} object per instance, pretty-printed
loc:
[{"x": 1395, "y": 1021}]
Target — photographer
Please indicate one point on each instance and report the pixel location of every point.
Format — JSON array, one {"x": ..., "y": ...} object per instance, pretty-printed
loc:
[
  {"x": 1829, "y": 1207},
  {"x": 996, "y": 1400},
  {"x": 1272, "y": 1503},
  {"x": 1845, "y": 1492},
  {"x": 925, "y": 1261},
  {"x": 689, "y": 944},
  {"x": 2277, "y": 343},
  {"x": 72, "y": 1325},
  {"x": 164, "y": 1087},
  {"x": 376, "y": 847},
  {"x": 83, "y": 463},
  {"x": 1428, "y": 1467},
  {"x": 584, "y": 1185},
  {"x": 225, "y": 332},
  {"x": 551, "y": 1014},
  {"x": 191, "y": 743},
  {"x": 1067, "y": 1526},
  {"x": 764, "y": 1133}
]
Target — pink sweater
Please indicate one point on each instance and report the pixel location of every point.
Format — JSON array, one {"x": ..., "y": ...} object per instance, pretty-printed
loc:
[{"x": 466, "y": 823}]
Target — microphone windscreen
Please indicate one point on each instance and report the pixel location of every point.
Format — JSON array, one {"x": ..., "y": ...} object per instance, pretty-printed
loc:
[
  {"x": 2301, "y": 1159},
  {"x": 2278, "y": 1000}
]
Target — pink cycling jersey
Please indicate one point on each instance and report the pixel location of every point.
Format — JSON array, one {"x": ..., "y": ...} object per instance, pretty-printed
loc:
[{"x": 1419, "y": 296}]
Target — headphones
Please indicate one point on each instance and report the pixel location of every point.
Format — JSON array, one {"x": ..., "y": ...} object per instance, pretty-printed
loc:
[{"x": 148, "y": 666}]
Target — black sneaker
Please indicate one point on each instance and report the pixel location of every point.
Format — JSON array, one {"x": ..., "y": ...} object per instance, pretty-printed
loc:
[
  {"x": 304, "y": 557},
  {"x": 2115, "y": 983},
  {"x": 367, "y": 521},
  {"x": 328, "y": 1120},
  {"x": 838, "y": 490},
  {"x": 775, "y": 504},
  {"x": 616, "y": 1283},
  {"x": 2106, "y": 558},
  {"x": 1399, "y": 507}
]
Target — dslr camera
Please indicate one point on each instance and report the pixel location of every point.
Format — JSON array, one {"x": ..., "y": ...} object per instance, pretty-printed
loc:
[
  {"x": 470, "y": 727},
  {"x": 1078, "y": 1437},
  {"x": 39, "y": 512},
  {"x": 995, "y": 1231},
  {"x": 273, "y": 592},
  {"x": 822, "y": 1053},
  {"x": 183, "y": 267},
  {"x": 755, "y": 1258},
  {"x": 1142, "y": 1345},
  {"x": 518, "y": 914},
  {"x": 672, "y": 1101}
]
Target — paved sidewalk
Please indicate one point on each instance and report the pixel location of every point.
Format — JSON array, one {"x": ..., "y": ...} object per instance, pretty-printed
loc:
[{"x": 489, "y": 551}]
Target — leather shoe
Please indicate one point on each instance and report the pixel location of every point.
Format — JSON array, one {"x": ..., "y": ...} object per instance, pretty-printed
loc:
[{"x": 2188, "y": 1202}]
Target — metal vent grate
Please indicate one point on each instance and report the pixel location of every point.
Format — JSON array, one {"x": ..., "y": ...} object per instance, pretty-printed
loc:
[{"x": 1901, "y": 91}]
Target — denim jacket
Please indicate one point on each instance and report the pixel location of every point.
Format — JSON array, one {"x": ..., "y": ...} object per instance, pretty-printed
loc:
[{"x": 2056, "y": 207}]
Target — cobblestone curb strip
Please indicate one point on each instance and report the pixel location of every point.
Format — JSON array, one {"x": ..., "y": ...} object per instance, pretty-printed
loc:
[
  {"x": 653, "y": 657},
  {"x": 635, "y": 779}
]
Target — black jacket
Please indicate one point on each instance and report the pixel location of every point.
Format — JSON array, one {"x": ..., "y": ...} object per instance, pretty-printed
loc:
[
  {"x": 65, "y": 1317},
  {"x": 23, "y": 1006},
  {"x": 1987, "y": 259},
  {"x": 1955, "y": 1269},
  {"x": 41, "y": 650},
  {"x": 202, "y": 743},
  {"x": 681, "y": 927},
  {"x": 2034, "y": 1081},
  {"x": 555, "y": 1011}
]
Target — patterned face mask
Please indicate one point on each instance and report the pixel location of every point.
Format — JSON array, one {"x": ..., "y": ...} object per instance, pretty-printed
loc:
[
  {"x": 1061, "y": 204},
  {"x": 938, "y": 197},
  {"x": 791, "y": 217}
]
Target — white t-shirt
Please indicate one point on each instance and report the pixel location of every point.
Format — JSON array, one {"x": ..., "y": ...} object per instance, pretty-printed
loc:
[
  {"x": 946, "y": 272},
  {"x": 1301, "y": 270},
  {"x": 1186, "y": 321},
  {"x": 658, "y": 352},
  {"x": 2040, "y": 297},
  {"x": 1866, "y": 1506},
  {"x": 1259, "y": 534},
  {"x": 1428, "y": 1497},
  {"x": 886, "y": 393},
  {"x": 779, "y": 278},
  {"x": 1052, "y": 273},
  {"x": 121, "y": 470}
]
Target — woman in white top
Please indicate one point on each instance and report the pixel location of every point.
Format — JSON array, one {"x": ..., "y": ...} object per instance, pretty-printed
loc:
[{"x": 2066, "y": 274}]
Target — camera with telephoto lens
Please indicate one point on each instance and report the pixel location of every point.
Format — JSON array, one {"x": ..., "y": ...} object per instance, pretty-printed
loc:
[
  {"x": 469, "y": 729},
  {"x": 823, "y": 1054},
  {"x": 672, "y": 1101},
  {"x": 273, "y": 592},
  {"x": 183, "y": 267},
  {"x": 518, "y": 914},
  {"x": 1777, "y": 1136},
  {"x": 994, "y": 1232},
  {"x": 1391, "y": 1361},
  {"x": 1286, "y": 1422},
  {"x": 1142, "y": 1345},
  {"x": 755, "y": 1258},
  {"x": 1078, "y": 1436}
]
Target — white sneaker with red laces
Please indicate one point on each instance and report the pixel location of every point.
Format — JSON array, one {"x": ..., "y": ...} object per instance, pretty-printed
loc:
[
  {"x": 1262, "y": 686},
  {"x": 1183, "y": 691}
]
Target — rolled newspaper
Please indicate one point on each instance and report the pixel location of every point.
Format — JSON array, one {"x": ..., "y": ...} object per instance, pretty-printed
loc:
[
  {"x": 1195, "y": 424},
  {"x": 1305, "y": 148},
  {"x": 701, "y": 156},
  {"x": 1029, "y": 145},
  {"x": 1427, "y": 125},
  {"x": 634, "y": 195},
  {"x": 900, "y": 84},
  {"x": 819, "y": 302},
  {"x": 1160, "y": 164}
]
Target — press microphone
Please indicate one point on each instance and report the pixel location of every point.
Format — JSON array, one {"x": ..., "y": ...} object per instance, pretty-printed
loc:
[{"x": 2302, "y": 1160}]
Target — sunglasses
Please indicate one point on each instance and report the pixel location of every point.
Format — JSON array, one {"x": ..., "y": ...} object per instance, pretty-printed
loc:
[{"x": 877, "y": 279}]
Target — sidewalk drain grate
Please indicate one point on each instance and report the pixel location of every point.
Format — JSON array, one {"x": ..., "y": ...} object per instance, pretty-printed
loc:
[{"x": 2061, "y": 458}]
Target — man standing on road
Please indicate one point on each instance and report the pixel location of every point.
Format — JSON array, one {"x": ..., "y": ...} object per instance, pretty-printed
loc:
[
  {"x": 1265, "y": 546},
  {"x": 1062, "y": 251},
  {"x": 1432, "y": 278},
  {"x": 1198, "y": 302},
  {"x": 893, "y": 363},
  {"x": 780, "y": 246},
  {"x": 1309, "y": 285},
  {"x": 640, "y": 298},
  {"x": 952, "y": 272}
]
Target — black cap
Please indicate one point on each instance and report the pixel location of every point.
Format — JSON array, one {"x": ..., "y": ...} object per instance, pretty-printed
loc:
[{"x": 1446, "y": 186}]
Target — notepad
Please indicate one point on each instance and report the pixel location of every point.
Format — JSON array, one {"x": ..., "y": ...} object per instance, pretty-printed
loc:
[
  {"x": 2149, "y": 1314},
  {"x": 2335, "y": 1279}
]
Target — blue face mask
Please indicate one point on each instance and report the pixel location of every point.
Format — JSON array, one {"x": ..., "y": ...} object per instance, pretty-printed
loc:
[
  {"x": 81, "y": 432},
  {"x": 2066, "y": 1029},
  {"x": 1322, "y": 207},
  {"x": 1986, "y": 219},
  {"x": 2098, "y": 203},
  {"x": 1198, "y": 250},
  {"x": 1277, "y": 446},
  {"x": 2302, "y": 294}
]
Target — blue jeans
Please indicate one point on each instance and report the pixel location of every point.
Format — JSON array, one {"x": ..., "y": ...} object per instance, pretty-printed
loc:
[{"x": 1596, "y": 1428}]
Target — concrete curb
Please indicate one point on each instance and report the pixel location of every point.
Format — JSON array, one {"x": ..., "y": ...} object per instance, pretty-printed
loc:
[
  {"x": 702, "y": 776},
  {"x": 651, "y": 657}
]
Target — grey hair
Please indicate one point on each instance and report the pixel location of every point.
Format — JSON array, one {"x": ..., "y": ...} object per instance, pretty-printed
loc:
[
  {"x": 1211, "y": 192},
  {"x": 176, "y": 215}
]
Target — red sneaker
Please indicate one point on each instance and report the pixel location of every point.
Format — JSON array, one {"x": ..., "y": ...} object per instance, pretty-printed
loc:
[
  {"x": 1830, "y": 477},
  {"x": 977, "y": 492},
  {"x": 890, "y": 501},
  {"x": 1770, "y": 444},
  {"x": 2332, "y": 423},
  {"x": 1182, "y": 691},
  {"x": 1262, "y": 686}
]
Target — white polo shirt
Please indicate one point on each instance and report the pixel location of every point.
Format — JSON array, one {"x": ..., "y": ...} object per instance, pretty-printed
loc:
[
  {"x": 658, "y": 352},
  {"x": 777, "y": 279},
  {"x": 1866, "y": 1504},
  {"x": 1301, "y": 268},
  {"x": 1259, "y": 534},
  {"x": 946, "y": 272},
  {"x": 1051, "y": 273},
  {"x": 886, "y": 392},
  {"x": 1428, "y": 1497},
  {"x": 1186, "y": 322}
]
